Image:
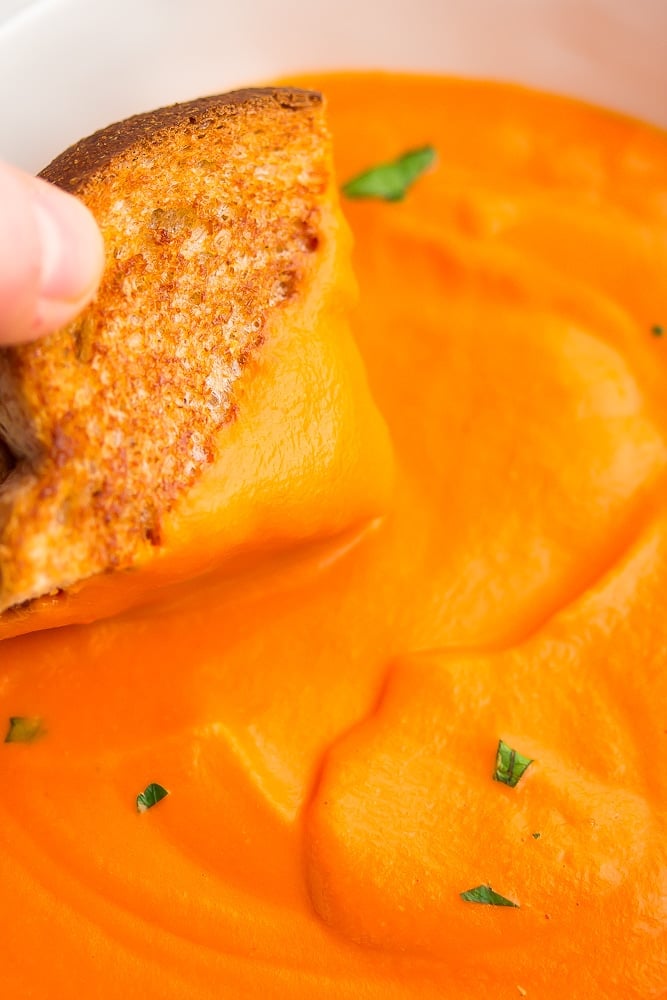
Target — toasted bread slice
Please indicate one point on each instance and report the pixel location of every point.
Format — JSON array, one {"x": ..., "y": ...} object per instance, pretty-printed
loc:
[{"x": 226, "y": 265}]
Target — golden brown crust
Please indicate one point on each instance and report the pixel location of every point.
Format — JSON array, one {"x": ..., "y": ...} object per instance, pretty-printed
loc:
[
  {"x": 211, "y": 214},
  {"x": 6, "y": 462},
  {"x": 75, "y": 166}
]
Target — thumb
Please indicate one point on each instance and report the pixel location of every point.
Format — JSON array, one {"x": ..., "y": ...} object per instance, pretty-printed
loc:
[{"x": 51, "y": 256}]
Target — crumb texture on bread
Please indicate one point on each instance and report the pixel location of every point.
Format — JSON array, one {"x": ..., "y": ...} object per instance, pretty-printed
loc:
[{"x": 212, "y": 214}]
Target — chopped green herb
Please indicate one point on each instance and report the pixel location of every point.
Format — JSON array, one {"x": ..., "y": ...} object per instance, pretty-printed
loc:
[
  {"x": 536, "y": 836},
  {"x": 24, "y": 729},
  {"x": 390, "y": 181},
  {"x": 150, "y": 796},
  {"x": 510, "y": 765},
  {"x": 657, "y": 330},
  {"x": 484, "y": 894}
]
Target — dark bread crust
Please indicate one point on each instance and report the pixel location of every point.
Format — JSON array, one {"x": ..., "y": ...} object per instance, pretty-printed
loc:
[
  {"x": 73, "y": 168},
  {"x": 212, "y": 212}
]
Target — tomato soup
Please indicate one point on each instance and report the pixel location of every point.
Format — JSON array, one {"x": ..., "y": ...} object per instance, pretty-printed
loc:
[{"x": 329, "y": 726}]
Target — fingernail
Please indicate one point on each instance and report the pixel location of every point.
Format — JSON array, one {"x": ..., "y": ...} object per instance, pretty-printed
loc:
[{"x": 72, "y": 254}]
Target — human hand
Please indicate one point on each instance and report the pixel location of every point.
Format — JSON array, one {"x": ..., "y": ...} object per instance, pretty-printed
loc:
[{"x": 51, "y": 256}]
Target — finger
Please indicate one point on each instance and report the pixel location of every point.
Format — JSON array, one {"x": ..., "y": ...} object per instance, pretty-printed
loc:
[{"x": 51, "y": 256}]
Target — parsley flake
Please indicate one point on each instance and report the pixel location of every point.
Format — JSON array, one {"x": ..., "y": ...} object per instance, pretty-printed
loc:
[
  {"x": 510, "y": 765},
  {"x": 24, "y": 729},
  {"x": 390, "y": 181},
  {"x": 151, "y": 795},
  {"x": 657, "y": 330},
  {"x": 484, "y": 894}
]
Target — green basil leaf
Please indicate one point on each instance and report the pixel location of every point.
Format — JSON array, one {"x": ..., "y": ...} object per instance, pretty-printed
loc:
[
  {"x": 151, "y": 795},
  {"x": 24, "y": 729},
  {"x": 510, "y": 765},
  {"x": 484, "y": 894},
  {"x": 390, "y": 181}
]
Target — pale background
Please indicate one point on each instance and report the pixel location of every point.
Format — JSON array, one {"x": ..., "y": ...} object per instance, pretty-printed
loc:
[{"x": 9, "y": 7}]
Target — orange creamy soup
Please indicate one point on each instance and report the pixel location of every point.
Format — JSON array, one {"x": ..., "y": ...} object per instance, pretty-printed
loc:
[{"x": 327, "y": 724}]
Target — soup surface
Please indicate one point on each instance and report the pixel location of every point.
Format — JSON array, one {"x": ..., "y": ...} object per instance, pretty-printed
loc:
[{"x": 327, "y": 725}]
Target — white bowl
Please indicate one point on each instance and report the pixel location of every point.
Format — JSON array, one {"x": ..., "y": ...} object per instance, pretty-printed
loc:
[{"x": 68, "y": 67}]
